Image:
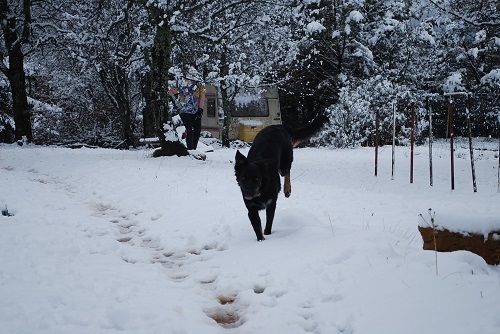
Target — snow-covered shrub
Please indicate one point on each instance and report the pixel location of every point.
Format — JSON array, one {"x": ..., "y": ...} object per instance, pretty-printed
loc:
[
  {"x": 6, "y": 121},
  {"x": 349, "y": 121},
  {"x": 47, "y": 122},
  {"x": 6, "y": 128},
  {"x": 492, "y": 78},
  {"x": 352, "y": 118}
]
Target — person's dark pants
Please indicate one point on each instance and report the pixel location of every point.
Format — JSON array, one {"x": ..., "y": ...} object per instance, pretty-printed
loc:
[{"x": 192, "y": 122}]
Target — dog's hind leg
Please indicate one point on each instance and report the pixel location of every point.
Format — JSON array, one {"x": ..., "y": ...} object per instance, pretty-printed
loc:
[
  {"x": 253, "y": 214},
  {"x": 270, "y": 209},
  {"x": 284, "y": 169},
  {"x": 287, "y": 187}
]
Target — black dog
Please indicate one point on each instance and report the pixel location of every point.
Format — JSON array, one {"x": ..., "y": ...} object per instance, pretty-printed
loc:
[{"x": 257, "y": 175}]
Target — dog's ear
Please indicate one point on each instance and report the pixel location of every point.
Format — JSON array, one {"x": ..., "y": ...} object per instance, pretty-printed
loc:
[{"x": 240, "y": 158}]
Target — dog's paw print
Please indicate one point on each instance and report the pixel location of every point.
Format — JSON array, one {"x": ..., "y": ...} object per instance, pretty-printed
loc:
[{"x": 258, "y": 289}]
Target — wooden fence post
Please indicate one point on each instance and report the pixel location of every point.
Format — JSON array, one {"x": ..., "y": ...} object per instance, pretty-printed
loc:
[
  {"x": 451, "y": 135},
  {"x": 412, "y": 139},
  {"x": 430, "y": 143},
  {"x": 393, "y": 139},
  {"x": 376, "y": 140},
  {"x": 471, "y": 150}
]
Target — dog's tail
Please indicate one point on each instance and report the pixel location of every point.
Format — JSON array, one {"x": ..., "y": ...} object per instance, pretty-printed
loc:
[{"x": 304, "y": 133}]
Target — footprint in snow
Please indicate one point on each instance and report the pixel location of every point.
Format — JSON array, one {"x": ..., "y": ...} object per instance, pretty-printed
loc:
[
  {"x": 228, "y": 312},
  {"x": 151, "y": 243},
  {"x": 332, "y": 298},
  {"x": 156, "y": 217},
  {"x": 125, "y": 228},
  {"x": 225, "y": 317},
  {"x": 258, "y": 289},
  {"x": 124, "y": 239},
  {"x": 306, "y": 317},
  {"x": 307, "y": 322},
  {"x": 103, "y": 209},
  {"x": 179, "y": 277},
  {"x": 207, "y": 279}
]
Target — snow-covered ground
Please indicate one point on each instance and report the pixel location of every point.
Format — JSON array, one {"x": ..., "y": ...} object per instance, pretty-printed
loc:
[{"x": 105, "y": 241}]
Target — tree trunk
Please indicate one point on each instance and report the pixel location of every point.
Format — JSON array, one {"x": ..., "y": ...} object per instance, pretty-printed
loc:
[
  {"x": 127, "y": 133},
  {"x": 17, "y": 81},
  {"x": 156, "y": 113},
  {"x": 226, "y": 123},
  {"x": 148, "y": 120},
  {"x": 158, "y": 59},
  {"x": 115, "y": 82},
  {"x": 15, "y": 73}
]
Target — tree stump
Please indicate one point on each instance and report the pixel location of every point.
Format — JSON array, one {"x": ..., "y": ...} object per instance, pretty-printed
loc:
[
  {"x": 447, "y": 241},
  {"x": 172, "y": 145},
  {"x": 170, "y": 148}
]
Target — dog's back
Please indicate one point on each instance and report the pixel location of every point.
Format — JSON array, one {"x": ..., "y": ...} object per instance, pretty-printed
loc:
[
  {"x": 273, "y": 144},
  {"x": 257, "y": 174}
]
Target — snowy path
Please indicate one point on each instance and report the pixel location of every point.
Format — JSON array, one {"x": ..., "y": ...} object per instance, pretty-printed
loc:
[{"x": 106, "y": 241}]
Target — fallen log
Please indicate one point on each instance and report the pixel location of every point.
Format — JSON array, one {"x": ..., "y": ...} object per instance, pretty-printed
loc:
[{"x": 448, "y": 241}]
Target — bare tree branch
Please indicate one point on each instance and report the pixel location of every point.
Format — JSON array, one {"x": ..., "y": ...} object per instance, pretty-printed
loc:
[
  {"x": 3, "y": 68},
  {"x": 465, "y": 19}
]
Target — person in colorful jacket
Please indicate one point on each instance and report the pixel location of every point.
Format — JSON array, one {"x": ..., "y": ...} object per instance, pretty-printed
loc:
[{"x": 191, "y": 97}]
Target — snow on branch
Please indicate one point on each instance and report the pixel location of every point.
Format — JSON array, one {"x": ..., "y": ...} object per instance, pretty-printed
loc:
[
  {"x": 3, "y": 68},
  {"x": 465, "y": 19},
  {"x": 203, "y": 32}
]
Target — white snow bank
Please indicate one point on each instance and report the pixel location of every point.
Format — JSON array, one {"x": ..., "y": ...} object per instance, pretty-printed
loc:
[{"x": 464, "y": 222}]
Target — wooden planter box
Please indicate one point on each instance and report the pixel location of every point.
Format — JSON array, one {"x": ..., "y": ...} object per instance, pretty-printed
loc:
[{"x": 447, "y": 241}]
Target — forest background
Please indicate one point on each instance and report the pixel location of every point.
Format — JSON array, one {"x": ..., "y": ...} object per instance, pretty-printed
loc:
[{"x": 97, "y": 71}]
